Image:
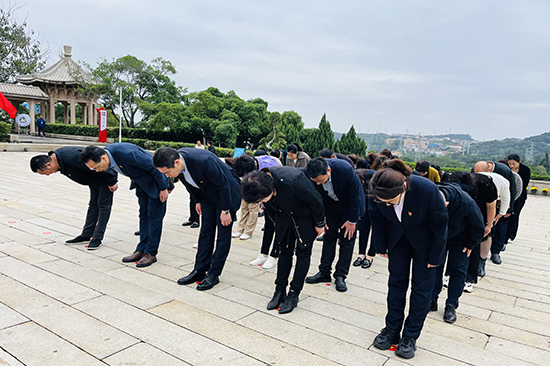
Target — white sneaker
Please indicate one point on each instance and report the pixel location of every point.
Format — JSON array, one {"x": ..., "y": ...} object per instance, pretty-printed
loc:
[
  {"x": 270, "y": 263},
  {"x": 260, "y": 260},
  {"x": 446, "y": 281},
  {"x": 196, "y": 245},
  {"x": 244, "y": 237},
  {"x": 469, "y": 287},
  {"x": 236, "y": 235}
]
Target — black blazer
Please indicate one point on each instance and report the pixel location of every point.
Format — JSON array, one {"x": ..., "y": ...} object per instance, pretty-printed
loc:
[
  {"x": 296, "y": 203},
  {"x": 70, "y": 165},
  {"x": 137, "y": 164},
  {"x": 506, "y": 172},
  {"x": 217, "y": 182},
  {"x": 347, "y": 188},
  {"x": 423, "y": 222}
]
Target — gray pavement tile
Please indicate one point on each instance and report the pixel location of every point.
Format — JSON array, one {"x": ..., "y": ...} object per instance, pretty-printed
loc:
[
  {"x": 50, "y": 284},
  {"x": 9, "y": 317},
  {"x": 143, "y": 354},
  {"x": 170, "y": 338},
  {"x": 277, "y": 326},
  {"x": 516, "y": 351},
  {"x": 534, "y": 305},
  {"x": 25, "y": 253},
  {"x": 33, "y": 345},
  {"x": 7, "y": 359},
  {"x": 257, "y": 345}
]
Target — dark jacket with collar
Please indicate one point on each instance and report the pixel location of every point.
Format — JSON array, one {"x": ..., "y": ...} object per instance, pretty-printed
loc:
[
  {"x": 525, "y": 174},
  {"x": 423, "y": 222},
  {"x": 217, "y": 182},
  {"x": 346, "y": 158},
  {"x": 68, "y": 158},
  {"x": 466, "y": 225},
  {"x": 295, "y": 203},
  {"x": 137, "y": 164},
  {"x": 347, "y": 187}
]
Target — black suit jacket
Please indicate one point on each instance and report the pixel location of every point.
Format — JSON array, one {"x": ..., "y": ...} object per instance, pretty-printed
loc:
[
  {"x": 217, "y": 182},
  {"x": 137, "y": 164},
  {"x": 295, "y": 203},
  {"x": 70, "y": 165},
  {"x": 423, "y": 222},
  {"x": 347, "y": 187}
]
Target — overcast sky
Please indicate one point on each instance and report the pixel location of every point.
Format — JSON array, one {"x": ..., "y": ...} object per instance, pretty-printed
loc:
[{"x": 477, "y": 67}]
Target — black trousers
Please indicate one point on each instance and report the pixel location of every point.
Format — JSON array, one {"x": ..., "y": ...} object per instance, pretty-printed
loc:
[
  {"x": 43, "y": 130},
  {"x": 151, "y": 214},
  {"x": 284, "y": 264},
  {"x": 99, "y": 211},
  {"x": 513, "y": 224},
  {"x": 499, "y": 238},
  {"x": 208, "y": 259},
  {"x": 267, "y": 239},
  {"x": 364, "y": 232},
  {"x": 457, "y": 263},
  {"x": 473, "y": 265},
  {"x": 193, "y": 214},
  {"x": 335, "y": 219},
  {"x": 399, "y": 265}
]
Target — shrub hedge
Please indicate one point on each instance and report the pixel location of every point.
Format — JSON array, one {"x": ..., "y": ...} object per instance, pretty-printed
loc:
[{"x": 5, "y": 129}]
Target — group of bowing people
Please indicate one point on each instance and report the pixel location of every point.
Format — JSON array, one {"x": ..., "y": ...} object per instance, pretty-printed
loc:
[{"x": 414, "y": 222}]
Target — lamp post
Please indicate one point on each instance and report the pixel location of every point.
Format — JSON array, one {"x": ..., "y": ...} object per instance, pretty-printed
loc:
[{"x": 120, "y": 116}]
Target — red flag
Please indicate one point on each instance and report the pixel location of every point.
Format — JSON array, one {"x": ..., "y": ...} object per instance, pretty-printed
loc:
[{"x": 7, "y": 106}]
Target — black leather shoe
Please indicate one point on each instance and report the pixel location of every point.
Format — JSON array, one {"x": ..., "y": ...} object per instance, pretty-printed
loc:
[
  {"x": 194, "y": 225},
  {"x": 340, "y": 284},
  {"x": 321, "y": 238},
  {"x": 278, "y": 298},
  {"x": 481, "y": 269},
  {"x": 319, "y": 277},
  {"x": 495, "y": 258},
  {"x": 78, "y": 239},
  {"x": 406, "y": 347},
  {"x": 192, "y": 277},
  {"x": 450, "y": 314},
  {"x": 187, "y": 223},
  {"x": 367, "y": 263},
  {"x": 290, "y": 303},
  {"x": 386, "y": 338},
  {"x": 433, "y": 306},
  {"x": 208, "y": 282},
  {"x": 146, "y": 260},
  {"x": 94, "y": 244},
  {"x": 358, "y": 261}
]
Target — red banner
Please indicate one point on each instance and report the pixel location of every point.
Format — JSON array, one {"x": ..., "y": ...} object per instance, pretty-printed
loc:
[
  {"x": 102, "y": 124},
  {"x": 7, "y": 106}
]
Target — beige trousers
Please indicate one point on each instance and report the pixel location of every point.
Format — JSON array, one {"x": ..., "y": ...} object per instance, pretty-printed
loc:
[{"x": 249, "y": 217}]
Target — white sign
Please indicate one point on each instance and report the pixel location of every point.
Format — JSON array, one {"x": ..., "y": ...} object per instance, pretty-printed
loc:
[{"x": 103, "y": 120}]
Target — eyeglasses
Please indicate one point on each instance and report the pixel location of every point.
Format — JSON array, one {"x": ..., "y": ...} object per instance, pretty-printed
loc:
[{"x": 389, "y": 202}]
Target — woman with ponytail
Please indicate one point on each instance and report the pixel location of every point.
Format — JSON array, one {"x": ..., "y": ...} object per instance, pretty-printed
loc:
[{"x": 296, "y": 157}]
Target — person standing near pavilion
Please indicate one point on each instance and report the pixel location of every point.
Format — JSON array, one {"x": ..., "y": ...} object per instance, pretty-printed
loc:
[{"x": 41, "y": 125}]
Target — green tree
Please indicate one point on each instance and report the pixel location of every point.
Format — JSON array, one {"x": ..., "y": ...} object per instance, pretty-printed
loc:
[
  {"x": 351, "y": 144},
  {"x": 321, "y": 139},
  {"x": 291, "y": 126},
  {"x": 275, "y": 139},
  {"x": 20, "y": 50},
  {"x": 138, "y": 81}
]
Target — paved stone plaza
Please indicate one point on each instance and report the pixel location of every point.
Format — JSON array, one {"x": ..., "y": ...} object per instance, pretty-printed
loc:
[{"x": 64, "y": 305}]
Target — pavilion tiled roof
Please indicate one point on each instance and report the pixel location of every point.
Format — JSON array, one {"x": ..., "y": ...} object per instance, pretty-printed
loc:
[{"x": 18, "y": 90}]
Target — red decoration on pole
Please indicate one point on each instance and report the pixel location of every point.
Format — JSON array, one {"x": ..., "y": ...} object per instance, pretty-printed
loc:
[
  {"x": 7, "y": 106},
  {"x": 102, "y": 124}
]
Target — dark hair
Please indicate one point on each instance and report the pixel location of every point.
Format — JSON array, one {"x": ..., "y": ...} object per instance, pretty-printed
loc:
[
  {"x": 209, "y": 142},
  {"x": 466, "y": 181},
  {"x": 389, "y": 182},
  {"x": 261, "y": 151},
  {"x": 316, "y": 167},
  {"x": 387, "y": 153},
  {"x": 39, "y": 162},
  {"x": 244, "y": 164},
  {"x": 504, "y": 161},
  {"x": 165, "y": 157},
  {"x": 294, "y": 148},
  {"x": 276, "y": 153},
  {"x": 422, "y": 166},
  {"x": 256, "y": 186},
  {"x": 377, "y": 163},
  {"x": 514, "y": 157},
  {"x": 93, "y": 153},
  {"x": 370, "y": 158},
  {"x": 362, "y": 164},
  {"x": 361, "y": 175},
  {"x": 326, "y": 153},
  {"x": 354, "y": 158}
]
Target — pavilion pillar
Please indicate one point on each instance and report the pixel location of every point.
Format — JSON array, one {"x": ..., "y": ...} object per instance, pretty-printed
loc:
[
  {"x": 91, "y": 120},
  {"x": 51, "y": 110},
  {"x": 65, "y": 112},
  {"x": 84, "y": 115},
  {"x": 31, "y": 114},
  {"x": 73, "y": 112}
]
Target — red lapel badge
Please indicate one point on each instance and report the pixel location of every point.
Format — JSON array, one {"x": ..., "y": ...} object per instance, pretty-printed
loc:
[{"x": 410, "y": 213}]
